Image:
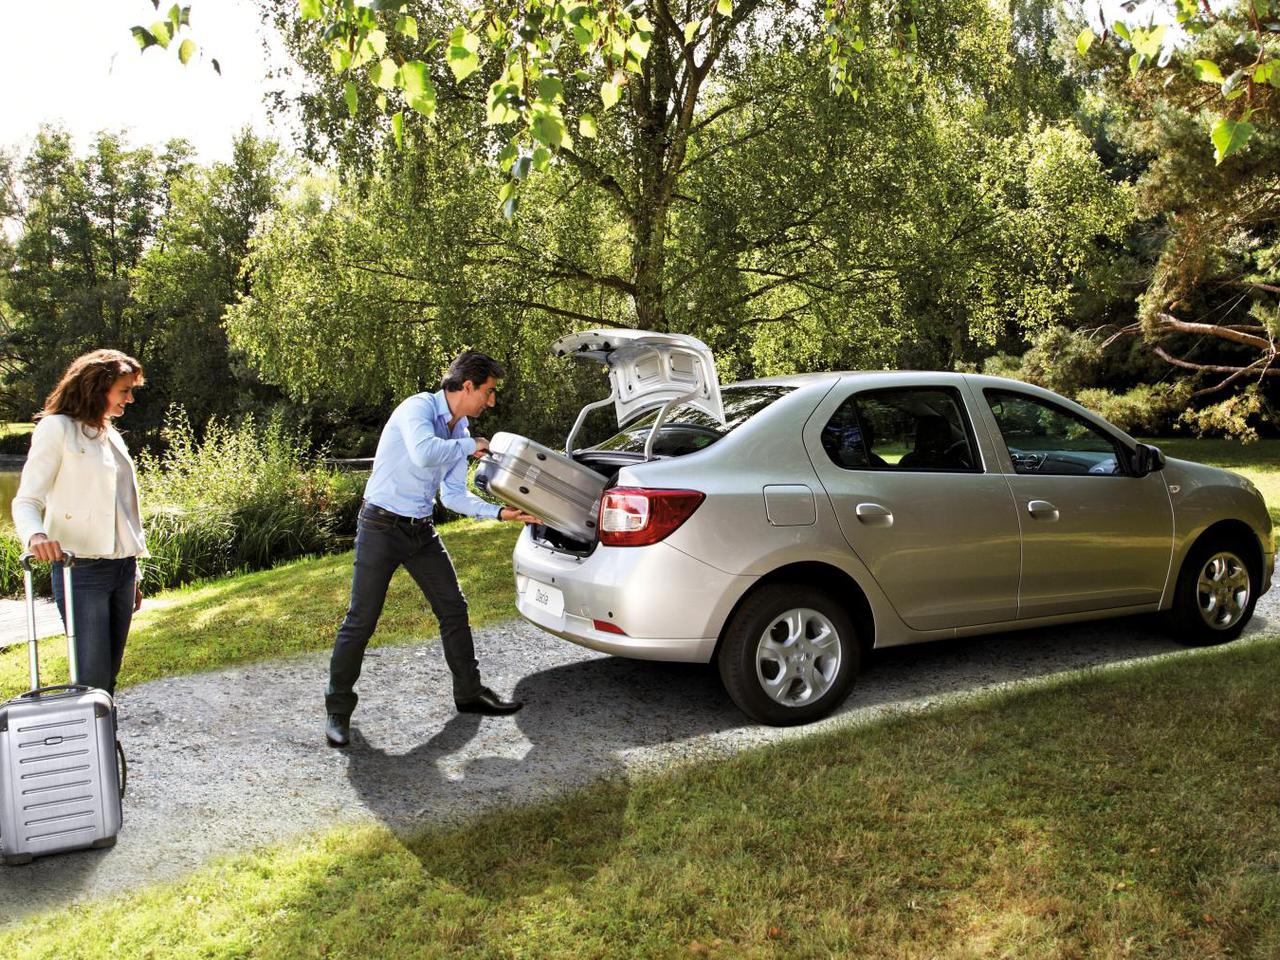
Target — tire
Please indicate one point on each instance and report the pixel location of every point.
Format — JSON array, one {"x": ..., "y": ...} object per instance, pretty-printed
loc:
[
  {"x": 1215, "y": 595},
  {"x": 773, "y": 633}
]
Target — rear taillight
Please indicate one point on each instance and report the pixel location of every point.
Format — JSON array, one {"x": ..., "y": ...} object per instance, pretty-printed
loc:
[{"x": 638, "y": 516}]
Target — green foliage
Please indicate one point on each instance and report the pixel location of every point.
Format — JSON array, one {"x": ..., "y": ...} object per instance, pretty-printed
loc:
[
  {"x": 365, "y": 292},
  {"x": 129, "y": 249},
  {"x": 192, "y": 271},
  {"x": 244, "y": 497},
  {"x": 1235, "y": 48},
  {"x": 1060, "y": 359},
  {"x": 1204, "y": 244},
  {"x": 794, "y": 231},
  {"x": 1146, "y": 408},
  {"x": 1238, "y": 416},
  {"x": 86, "y": 225}
]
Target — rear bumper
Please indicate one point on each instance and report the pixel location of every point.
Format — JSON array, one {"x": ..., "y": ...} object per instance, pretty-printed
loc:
[
  {"x": 669, "y": 605},
  {"x": 579, "y": 630}
]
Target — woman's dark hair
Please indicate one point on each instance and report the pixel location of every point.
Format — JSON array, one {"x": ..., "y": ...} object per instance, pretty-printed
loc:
[
  {"x": 81, "y": 394},
  {"x": 474, "y": 366}
]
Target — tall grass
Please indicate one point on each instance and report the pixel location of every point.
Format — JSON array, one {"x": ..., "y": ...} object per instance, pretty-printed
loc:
[{"x": 245, "y": 497}]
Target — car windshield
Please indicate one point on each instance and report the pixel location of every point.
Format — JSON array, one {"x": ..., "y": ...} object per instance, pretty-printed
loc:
[{"x": 687, "y": 430}]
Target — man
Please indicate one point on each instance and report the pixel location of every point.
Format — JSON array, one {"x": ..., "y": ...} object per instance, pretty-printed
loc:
[{"x": 423, "y": 448}]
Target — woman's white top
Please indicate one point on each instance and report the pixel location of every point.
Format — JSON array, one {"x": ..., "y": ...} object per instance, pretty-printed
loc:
[
  {"x": 80, "y": 488},
  {"x": 129, "y": 538}
]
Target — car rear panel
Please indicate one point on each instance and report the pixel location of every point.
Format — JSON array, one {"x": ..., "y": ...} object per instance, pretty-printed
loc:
[{"x": 670, "y": 606}]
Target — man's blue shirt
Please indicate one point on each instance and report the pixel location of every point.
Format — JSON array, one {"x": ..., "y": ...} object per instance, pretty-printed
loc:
[{"x": 418, "y": 455}]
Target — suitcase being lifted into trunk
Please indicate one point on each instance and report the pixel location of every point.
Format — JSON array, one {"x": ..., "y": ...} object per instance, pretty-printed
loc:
[
  {"x": 562, "y": 493},
  {"x": 647, "y": 372}
]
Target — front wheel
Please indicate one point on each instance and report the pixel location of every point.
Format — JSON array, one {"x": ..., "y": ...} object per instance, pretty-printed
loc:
[
  {"x": 1215, "y": 595},
  {"x": 789, "y": 655}
]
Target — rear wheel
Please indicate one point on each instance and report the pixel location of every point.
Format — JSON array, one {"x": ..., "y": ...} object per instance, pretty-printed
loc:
[
  {"x": 789, "y": 655},
  {"x": 1216, "y": 593}
]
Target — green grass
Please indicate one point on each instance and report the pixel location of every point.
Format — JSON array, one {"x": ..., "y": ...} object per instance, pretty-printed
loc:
[
  {"x": 290, "y": 609},
  {"x": 1128, "y": 812}
]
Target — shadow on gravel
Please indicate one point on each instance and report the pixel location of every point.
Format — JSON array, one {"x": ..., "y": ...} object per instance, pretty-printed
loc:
[
  {"x": 578, "y": 721},
  {"x": 23, "y": 888}
]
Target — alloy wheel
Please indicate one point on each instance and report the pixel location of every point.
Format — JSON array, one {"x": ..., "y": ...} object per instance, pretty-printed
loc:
[
  {"x": 798, "y": 657},
  {"x": 1222, "y": 590}
]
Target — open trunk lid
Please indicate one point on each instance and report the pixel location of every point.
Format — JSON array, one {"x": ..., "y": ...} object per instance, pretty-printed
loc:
[{"x": 647, "y": 371}]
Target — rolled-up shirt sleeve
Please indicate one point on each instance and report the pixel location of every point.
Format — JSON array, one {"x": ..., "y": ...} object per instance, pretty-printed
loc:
[
  {"x": 425, "y": 449},
  {"x": 455, "y": 495}
]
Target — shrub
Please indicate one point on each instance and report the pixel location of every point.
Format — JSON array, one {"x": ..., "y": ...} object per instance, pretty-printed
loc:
[
  {"x": 244, "y": 498},
  {"x": 15, "y": 444}
]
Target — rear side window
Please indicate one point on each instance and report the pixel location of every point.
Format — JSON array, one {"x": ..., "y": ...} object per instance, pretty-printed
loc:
[
  {"x": 906, "y": 428},
  {"x": 687, "y": 429}
]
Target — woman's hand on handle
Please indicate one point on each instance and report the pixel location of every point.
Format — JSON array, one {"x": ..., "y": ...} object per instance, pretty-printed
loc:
[{"x": 42, "y": 548}]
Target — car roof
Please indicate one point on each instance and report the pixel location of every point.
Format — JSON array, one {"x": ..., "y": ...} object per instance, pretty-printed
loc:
[{"x": 887, "y": 377}]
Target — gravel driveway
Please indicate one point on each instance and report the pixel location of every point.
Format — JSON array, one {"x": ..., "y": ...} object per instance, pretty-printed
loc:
[{"x": 223, "y": 762}]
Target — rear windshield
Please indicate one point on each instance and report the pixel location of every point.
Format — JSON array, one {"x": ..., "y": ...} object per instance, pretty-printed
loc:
[{"x": 687, "y": 429}]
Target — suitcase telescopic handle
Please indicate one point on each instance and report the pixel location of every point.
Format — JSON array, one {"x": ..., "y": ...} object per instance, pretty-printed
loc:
[
  {"x": 41, "y": 691},
  {"x": 73, "y": 669}
]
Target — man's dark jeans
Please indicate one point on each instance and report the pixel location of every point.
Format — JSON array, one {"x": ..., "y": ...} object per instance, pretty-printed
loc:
[
  {"x": 383, "y": 545},
  {"x": 104, "y": 592}
]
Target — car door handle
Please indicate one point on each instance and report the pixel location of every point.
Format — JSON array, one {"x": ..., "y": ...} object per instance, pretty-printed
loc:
[
  {"x": 874, "y": 515},
  {"x": 1042, "y": 510}
]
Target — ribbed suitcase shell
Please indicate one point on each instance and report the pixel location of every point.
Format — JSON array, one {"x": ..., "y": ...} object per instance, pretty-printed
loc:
[
  {"x": 561, "y": 492},
  {"x": 58, "y": 766},
  {"x": 59, "y": 779}
]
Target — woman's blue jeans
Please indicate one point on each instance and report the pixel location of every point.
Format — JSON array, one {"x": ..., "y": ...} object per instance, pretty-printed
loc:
[{"x": 104, "y": 592}]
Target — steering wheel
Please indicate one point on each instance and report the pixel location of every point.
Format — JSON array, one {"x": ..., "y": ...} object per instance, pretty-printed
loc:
[{"x": 1027, "y": 462}]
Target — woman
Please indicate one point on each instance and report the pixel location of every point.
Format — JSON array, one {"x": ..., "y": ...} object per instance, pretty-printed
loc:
[{"x": 79, "y": 492}]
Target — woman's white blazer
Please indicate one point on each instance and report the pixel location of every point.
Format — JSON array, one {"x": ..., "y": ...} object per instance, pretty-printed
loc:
[{"x": 68, "y": 488}]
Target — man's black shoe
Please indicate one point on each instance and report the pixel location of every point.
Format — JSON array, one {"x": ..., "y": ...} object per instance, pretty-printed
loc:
[
  {"x": 338, "y": 729},
  {"x": 486, "y": 701}
]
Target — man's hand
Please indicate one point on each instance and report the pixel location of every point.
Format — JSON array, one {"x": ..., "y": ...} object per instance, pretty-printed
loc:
[
  {"x": 482, "y": 447},
  {"x": 137, "y": 596},
  {"x": 511, "y": 513},
  {"x": 42, "y": 548}
]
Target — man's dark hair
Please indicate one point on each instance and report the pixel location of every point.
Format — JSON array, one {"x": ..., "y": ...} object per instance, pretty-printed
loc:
[{"x": 474, "y": 366}]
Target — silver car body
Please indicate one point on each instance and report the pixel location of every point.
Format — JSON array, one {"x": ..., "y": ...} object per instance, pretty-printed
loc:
[{"x": 916, "y": 556}]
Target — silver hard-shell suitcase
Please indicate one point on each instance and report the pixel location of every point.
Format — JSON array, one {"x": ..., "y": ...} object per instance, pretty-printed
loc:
[
  {"x": 60, "y": 765},
  {"x": 562, "y": 493}
]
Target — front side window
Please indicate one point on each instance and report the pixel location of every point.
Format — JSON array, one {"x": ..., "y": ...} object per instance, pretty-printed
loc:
[
  {"x": 914, "y": 428},
  {"x": 1045, "y": 439}
]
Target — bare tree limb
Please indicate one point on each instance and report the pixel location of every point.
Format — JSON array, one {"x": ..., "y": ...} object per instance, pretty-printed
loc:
[
  {"x": 1164, "y": 354},
  {"x": 1170, "y": 322}
]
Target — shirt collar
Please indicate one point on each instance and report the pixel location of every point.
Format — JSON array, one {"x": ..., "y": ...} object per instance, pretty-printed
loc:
[{"x": 442, "y": 411}]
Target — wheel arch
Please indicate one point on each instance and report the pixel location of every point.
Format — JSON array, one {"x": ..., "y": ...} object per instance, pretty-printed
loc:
[
  {"x": 1229, "y": 529},
  {"x": 832, "y": 580}
]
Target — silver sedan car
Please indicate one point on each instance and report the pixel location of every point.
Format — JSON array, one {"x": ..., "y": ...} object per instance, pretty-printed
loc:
[{"x": 784, "y": 527}]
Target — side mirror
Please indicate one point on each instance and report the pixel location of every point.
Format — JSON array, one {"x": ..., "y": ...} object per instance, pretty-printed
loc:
[{"x": 1145, "y": 459}]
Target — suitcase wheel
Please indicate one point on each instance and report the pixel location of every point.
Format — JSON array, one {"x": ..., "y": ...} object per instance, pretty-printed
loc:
[
  {"x": 103, "y": 842},
  {"x": 16, "y": 860}
]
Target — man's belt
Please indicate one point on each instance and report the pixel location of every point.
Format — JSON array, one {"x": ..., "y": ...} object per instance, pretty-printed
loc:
[{"x": 374, "y": 510}]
